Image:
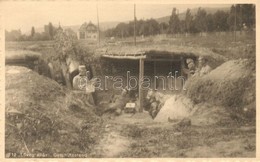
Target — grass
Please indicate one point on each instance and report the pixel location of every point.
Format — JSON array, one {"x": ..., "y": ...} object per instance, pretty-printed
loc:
[
  {"x": 51, "y": 119},
  {"x": 212, "y": 40},
  {"x": 183, "y": 142},
  {"x": 224, "y": 44}
]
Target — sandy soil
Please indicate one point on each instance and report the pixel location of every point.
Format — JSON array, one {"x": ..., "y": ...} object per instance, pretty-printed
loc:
[{"x": 138, "y": 136}]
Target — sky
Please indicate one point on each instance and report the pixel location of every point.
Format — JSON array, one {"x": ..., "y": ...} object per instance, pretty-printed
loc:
[{"x": 25, "y": 14}]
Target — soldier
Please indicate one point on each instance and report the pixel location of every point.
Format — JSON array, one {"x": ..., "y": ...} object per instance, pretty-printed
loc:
[
  {"x": 79, "y": 81},
  {"x": 117, "y": 102},
  {"x": 203, "y": 67},
  {"x": 191, "y": 67},
  {"x": 83, "y": 85}
]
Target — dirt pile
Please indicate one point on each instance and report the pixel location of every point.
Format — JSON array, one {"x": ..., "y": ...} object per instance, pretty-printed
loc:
[
  {"x": 175, "y": 108},
  {"x": 43, "y": 117},
  {"x": 25, "y": 55},
  {"x": 231, "y": 85},
  {"x": 208, "y": 114},
  {"x": 225, "y": 95}
]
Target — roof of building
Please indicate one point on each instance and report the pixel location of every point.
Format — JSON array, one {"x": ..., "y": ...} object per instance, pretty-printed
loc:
[
  {"x": 88, "y": 27},
  {"x": 60, "y": 28},
  {"x": 156, "y": 51},
  {"x": 160, "y": 52}
]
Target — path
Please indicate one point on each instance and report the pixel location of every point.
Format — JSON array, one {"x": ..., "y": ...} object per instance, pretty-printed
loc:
[{"x": 113, "y": 143}]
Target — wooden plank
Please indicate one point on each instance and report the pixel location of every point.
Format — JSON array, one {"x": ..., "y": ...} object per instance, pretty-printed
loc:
[
  {"x": 169, "y": 59},
  {"x": 141, "y": 75},
  {"x": 125, "y": 57},
  {"x": 154, "y": 72},
  {"x": 182, "y": 65}
]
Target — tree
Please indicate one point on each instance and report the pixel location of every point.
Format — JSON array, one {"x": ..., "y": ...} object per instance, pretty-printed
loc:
[
  {"x": 182, "y": 26},
  {"x": 174, "y": 23},
  {"x": 110, "y": 32},
  {"x": 231, "y": 18},
  {"x": 13, "y": 35},
  {"x": 66, "y": 49},
  {"x": 144, "y": 28},
  {"x": 220, "y": 21},
  {"x": 163, "y": 27},
  {"x": 153, "y": 27},
  {"x": 122, "y": 30},
  {"x": 188, "y": 21},
  {"x": 210, "y": 23},
  {"x": 69, "y": 32},
  {"x": 247, "y": 13},
  {"x": 201, "y": 20},
  {"x": 51, "y": 30},
  {"x": 139, "y": 27},
  {"x": 32, "y": 32},
  {"x": 234, "y": 19}
]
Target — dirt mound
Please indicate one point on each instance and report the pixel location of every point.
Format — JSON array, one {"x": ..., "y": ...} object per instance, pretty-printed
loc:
[
  {"x": 43, "y": 117},
  {"x": 180, "y": 107},
  {"x": 208, "y": 114},
  {"x": 225, "y": 95},
  {"x": 231, "y": 85},
  {"x": 175, "y": 108},
  {"x": 21, "y": 55}
]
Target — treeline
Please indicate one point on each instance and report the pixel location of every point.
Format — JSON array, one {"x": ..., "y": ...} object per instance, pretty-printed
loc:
[
  {"x": 47, "y": 34},
  {"x": 239, "y": 17}
]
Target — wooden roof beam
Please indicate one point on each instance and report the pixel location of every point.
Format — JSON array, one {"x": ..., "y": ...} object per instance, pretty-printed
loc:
[{"x": 125, "y": 57}]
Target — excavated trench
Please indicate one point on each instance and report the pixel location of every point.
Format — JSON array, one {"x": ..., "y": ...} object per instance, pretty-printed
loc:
[
  {"x": 114, "y": 142},
  {"x": 116, "y": 68}
]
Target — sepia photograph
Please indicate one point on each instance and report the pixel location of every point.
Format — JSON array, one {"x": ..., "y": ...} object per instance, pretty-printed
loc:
[{"x": 129, "y": 79}]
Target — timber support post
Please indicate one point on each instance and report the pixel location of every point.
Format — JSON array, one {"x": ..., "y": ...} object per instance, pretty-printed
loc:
[{"x": 140, "y": 90}]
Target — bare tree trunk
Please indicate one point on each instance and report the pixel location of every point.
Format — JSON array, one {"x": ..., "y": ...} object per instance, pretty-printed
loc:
[{"x": 65, "y": 73}]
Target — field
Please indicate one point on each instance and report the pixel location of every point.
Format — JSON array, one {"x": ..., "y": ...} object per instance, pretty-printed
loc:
[{"x": 219, "y": 127}]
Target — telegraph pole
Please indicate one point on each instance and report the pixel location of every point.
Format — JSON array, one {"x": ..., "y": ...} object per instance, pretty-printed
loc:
[
  {"x": 235, "y": 27},
  {"x": 98, "y": 26},
  {"x": 134, "y": 26}
]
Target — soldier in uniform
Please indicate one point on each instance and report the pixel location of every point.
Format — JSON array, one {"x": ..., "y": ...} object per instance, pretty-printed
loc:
[
  {"x": 191, "y": 67},
  {"x": 83, "y": 85},
  {"x": 203, "y": 67},
  {"x": 79, "y": 81}
]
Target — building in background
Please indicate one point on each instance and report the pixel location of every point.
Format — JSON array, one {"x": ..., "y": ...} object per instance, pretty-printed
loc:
[{"x": 88, "y": 31}]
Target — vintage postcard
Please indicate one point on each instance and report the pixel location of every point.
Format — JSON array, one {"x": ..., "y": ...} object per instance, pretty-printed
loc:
[{"x": 128, "y": 79}]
